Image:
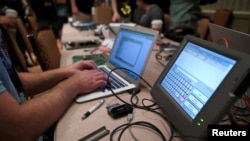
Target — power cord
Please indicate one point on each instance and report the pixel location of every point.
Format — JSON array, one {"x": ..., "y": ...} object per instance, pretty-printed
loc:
[
  {"x": 130, "y": 118},
  {"x": 134, "y": 100},
  {"x": 150, "y": 107},
  {"x": 123, "y": 127},
  {"x": 160, "y": 57}
]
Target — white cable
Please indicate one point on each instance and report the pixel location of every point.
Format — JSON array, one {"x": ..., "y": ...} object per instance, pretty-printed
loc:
[{"x": 130, "y": 118}]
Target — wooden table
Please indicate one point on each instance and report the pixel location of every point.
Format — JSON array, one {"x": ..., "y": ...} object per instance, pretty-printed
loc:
[{"x": 71, "y": 128}]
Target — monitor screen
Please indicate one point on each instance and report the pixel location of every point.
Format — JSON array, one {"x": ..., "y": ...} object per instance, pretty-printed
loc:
[
  {"x": 192, "y": 84},
  {"x": 199, "y": 85}
]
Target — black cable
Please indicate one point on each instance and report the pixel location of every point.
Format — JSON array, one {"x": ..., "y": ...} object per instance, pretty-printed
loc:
[
  {"x": 144, "y": 107},
  {"x": 134, "y": 104},
  {"x": 133, "y": 95},
  {"x": 139, "y": 123},
  {"x": 110, "y": 28},
  {"x": 159, "y": 57},
  {"x": 232, "y": 118}
]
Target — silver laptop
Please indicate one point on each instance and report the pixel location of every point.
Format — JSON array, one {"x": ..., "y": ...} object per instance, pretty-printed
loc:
[
  {"x": 235, "y": 39},
  {"x": 131, "y": 51}
]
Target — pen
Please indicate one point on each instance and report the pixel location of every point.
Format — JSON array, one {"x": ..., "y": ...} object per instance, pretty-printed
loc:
[{"x": 91, "y": 110}]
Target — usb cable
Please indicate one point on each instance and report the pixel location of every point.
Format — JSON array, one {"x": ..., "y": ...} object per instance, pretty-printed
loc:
[{"x": 130, "y": 118}]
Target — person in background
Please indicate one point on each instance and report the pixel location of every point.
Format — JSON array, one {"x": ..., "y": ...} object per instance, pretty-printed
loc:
[
  {"x": 45, "y": 11},
  {"x": 152, "y": 12},
  {"x": 27, "y": 120},
  {"x": 184, "y": 13},
  {"x": 184, "y": 17},
  {"x": 132, "y": 13},
  {"x": 81, "y": 9},
  {"x": 18, "y": 6},
  {"x": 8, "y": 21},
  {"x": 123, "y": 10},
  {"x": 62, "y": 11}
]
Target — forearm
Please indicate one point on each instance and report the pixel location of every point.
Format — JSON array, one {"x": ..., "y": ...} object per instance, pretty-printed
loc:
[
  {"x": 73, "y": 3},
  {"x": 29, "y": 120},
  {"x": 114, "y": 6},
  {"x": 34, "y": 83}
]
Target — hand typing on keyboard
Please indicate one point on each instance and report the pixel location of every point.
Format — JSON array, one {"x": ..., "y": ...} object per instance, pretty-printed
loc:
[{"x": 113, "y": 83}]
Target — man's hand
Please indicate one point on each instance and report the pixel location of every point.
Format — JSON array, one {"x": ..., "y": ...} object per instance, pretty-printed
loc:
[
  {"x": 116, "y": 17},
  {"x": 85, "y": 81},
  {"x": 8, "y": 21},
  {"x": 80, "y": 66}
]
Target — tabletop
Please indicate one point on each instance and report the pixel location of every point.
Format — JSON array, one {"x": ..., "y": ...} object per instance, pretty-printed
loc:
[{"x": 71, "y": 127}]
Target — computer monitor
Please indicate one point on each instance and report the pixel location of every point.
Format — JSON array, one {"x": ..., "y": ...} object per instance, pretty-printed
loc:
[{"x": 199, "y": 85}]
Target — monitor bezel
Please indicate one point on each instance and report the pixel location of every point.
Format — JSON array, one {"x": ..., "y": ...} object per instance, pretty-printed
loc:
[{"x": 219, "y": 103}]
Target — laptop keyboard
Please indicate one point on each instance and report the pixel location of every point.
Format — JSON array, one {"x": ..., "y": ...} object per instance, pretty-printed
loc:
[{"x": 115, "y": 82}]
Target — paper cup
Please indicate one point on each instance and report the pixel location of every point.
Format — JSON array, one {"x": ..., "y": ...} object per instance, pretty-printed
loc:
[
  {"x": 157, "y": 25},
  {"x": 11, "y": 13}
]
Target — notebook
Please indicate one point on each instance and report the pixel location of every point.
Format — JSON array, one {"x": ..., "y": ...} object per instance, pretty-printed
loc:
[
  {"x": 235, "y": 39},
  {"x": 200, "y": 84},
  {"x": 131, "y": 50}
]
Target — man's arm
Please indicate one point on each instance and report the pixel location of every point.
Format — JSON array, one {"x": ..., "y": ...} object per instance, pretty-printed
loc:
[
  {"x": 74, "y": 8},
  {"x": 8, "y": 21},
  {"x": 29, "y": 120},
  {"x": 116, "y": 15},
  {"x": 34, "y": 83}
]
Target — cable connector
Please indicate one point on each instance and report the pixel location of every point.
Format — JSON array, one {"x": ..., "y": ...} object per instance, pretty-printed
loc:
[{"x": 130, "y": 117}]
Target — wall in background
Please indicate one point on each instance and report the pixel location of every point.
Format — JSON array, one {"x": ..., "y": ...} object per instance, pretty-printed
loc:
[{"x": 241, "y": 12}]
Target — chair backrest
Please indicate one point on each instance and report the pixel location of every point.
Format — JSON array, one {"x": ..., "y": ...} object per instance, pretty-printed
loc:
[
  {"x": 16, "y": 54},
  {"x": 167, "y": 20},
  {"x": 23, "y": 32},
  {"x": 32, "y": 24},
  {"x": 223, "y": 17},
  {"x": 45, "y": 48},
  {"x": 202, "y": 27}
]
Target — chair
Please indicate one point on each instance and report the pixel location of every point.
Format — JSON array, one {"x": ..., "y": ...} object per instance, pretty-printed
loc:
[
  {"x": 167, "y": 20},
  {"x": 222, "y": 17},
  {"x": 32, "y": 24},
  {"x": 202, "y": 27},
  {"x": 18, "y": 58},
  {"x": 45, "y": 48},
  {"x": 23, "y": 32}
]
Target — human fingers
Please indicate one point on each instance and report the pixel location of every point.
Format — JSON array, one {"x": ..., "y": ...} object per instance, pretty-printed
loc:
[
  {"x": 89, "y": 80},
  {"x": 88, "y": 64},
  {"x": 79, "y": 66},
  {"x": 13, "y": 22}
]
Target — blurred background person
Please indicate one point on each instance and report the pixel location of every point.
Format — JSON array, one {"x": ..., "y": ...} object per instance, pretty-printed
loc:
[
  {"x": 185, "y": 13},
  {"x": 123, "y": 10},
  {"x": 152, "y": 12},
  {"x": 184, "y": 17},
  {"x": 127, "y": 10},
  {"x": 62, "y": 12},
  {"x": 81, "y": 9},
  {"x": 45, "y": 11}
]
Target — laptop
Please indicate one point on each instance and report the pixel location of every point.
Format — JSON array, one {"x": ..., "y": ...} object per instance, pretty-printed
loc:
[
  {"x": 131, "y": 50},
  {"x": 230, "y": 38},
  {"x": 114, "y": 27},
  {"x": 199, "y": 86}
]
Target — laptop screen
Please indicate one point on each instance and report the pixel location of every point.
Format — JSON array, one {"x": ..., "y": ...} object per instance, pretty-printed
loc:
[
  {"x": 131, "y": 50},
  {"x": 194, "y": 77}
]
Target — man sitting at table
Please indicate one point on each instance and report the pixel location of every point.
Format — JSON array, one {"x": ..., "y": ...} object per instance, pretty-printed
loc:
[
  {"x": 152, "y": 12},
  {"x": 27, "y": 120}
]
